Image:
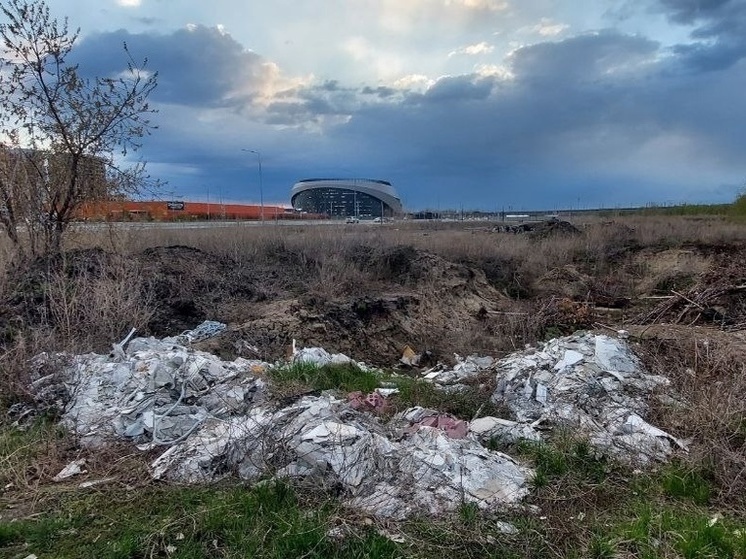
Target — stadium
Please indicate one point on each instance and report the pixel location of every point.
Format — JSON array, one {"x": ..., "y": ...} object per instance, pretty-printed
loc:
[{"x": 363, "y": 198}]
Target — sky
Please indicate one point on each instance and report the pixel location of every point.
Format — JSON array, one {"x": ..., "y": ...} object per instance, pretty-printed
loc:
[{"x": 474, "y": 104}]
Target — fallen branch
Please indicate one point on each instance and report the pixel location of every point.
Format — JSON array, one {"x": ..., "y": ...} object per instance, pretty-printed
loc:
[{"x": 700, "y": 307}]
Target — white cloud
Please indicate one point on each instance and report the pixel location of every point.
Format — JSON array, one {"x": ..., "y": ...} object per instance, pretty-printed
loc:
[
  {"x": 386, "y": 65},
  {"x": 272, "y": 83},
  {"x": 129, "y": 3},
  {"x": 415, "y": 82},
  {"x": 547, "y": 28},
  {"x": 494, "y": 70},
  {"x": 484, "y": 5},
  {"x": 403, "y": 17},
  {"x": 473, "y": 50}
]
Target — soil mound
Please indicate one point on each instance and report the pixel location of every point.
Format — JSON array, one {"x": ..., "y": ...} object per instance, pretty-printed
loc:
[{"x": 552, "y": 227}]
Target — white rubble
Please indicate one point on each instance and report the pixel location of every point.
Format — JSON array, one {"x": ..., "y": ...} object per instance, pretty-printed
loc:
[
  {"x": 213, "y": 419},
  {"x": 157, "y": 391},
  {"x": 502, "y": 430},
  {"x": 324, "y": 440},
  {"x": 591, "y": 383},
  {"x": 465, "y": 368},
  {"x": 208, "y": 329},
  {"x": 319, "y": 357}
]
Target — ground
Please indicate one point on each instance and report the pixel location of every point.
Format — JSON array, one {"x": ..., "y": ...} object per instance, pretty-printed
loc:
[{"x": 677, "y": 286}]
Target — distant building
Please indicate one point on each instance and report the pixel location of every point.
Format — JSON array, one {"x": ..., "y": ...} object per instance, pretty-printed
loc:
[{"x": 366, "y": 198}]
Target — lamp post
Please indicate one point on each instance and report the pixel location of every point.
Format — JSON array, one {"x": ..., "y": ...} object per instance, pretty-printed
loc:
[{"x": 261, "y": 188}]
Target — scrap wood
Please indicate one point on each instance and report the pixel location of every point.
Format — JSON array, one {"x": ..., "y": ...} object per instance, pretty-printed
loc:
[{"x": 700, "y": 300}]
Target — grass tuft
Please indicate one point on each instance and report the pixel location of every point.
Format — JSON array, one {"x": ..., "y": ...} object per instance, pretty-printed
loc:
[{"x": 304, "y": 377}]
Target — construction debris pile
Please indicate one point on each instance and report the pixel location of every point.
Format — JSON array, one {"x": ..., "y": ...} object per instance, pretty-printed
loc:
[
  {"x": 215, "y": 418},
  {"x": 592, "y": 384}
]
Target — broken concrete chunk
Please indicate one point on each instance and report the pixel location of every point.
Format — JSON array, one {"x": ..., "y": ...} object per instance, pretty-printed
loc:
[
  {"x": 570, "y": 358},
  {"x": 614, "y": 355}
]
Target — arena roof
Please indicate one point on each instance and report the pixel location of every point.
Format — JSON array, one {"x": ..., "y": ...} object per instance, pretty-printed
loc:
[{"x": 380, "y": 189}]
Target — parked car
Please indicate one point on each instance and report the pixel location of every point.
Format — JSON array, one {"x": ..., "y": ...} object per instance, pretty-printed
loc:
[{"x": 352, "y": 220}]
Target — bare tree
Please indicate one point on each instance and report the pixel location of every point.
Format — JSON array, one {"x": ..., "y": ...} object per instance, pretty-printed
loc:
[{"x": 60, "y": 131}]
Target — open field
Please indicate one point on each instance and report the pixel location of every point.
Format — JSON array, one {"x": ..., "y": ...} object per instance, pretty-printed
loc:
[{"x": 677, "y": 284}]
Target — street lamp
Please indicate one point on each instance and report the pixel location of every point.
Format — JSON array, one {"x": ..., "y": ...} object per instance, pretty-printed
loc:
[{"x": 261, "y": 188}]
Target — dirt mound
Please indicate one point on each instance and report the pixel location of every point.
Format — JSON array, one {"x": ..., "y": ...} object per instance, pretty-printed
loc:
[
  {"x": 366, "y": 300},
  {"x": 565, "y": 281},
  {"x": 430, "y": 303},
  {"x": 191, "y": 285},
  {"x": 674, "y": 268},
  {"x": 541, "y": 229},
  {"x": 550, "y": 228}
]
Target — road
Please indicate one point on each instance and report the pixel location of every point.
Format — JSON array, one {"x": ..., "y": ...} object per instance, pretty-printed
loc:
[{"x": 139, "y": 225}]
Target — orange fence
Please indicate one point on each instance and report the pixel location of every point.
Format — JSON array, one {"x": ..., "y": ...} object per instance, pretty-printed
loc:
[{"x": 185, "y": 211}]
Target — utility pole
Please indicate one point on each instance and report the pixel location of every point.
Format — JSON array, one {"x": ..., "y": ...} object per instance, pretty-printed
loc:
[{"x": 261, "y": 188}]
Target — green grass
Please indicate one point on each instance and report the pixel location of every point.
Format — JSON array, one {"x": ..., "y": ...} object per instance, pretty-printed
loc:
[
  {"x": 586, "y": 506},
  {"x": 301, "y": 377},
  {"x": 269, "y": 520},
  {"x": 658, "y": 530},
  {"x": 685, "y": 483},
  {"x": 464, "y": 403},
  {"x": 565, "y": 457}
]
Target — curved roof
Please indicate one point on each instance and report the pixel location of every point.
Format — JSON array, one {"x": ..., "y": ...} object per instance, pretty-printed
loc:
[{"x": 376, "y": 188}]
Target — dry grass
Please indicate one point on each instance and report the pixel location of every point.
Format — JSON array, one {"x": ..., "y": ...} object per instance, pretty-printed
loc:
[
  {"x": 547, "y": 287},
  {"x": 708, "y": 374}
]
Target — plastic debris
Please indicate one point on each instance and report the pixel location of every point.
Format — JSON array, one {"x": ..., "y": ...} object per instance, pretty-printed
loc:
[
  {"x": 506, "y": 528},
  {"x": 95, "y": 482},
  {"x": 374, "y": 402},
  {"x": 74, "y": 468},
  {"x": 591, "y": 383}
]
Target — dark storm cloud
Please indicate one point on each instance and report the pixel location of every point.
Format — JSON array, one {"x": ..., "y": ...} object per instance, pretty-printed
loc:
[
  {"x": 606, "y": 117},
  {"x": 719, "y": 32},
  {"x": 381, "y": 91},
  {"x": 689, "y": 11},
  {"x": 580, "y": 117},
  {"x": 200, "y": 66},
  {"x": 309, "y": 104},
  {"x": 582, "y": 58}
]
